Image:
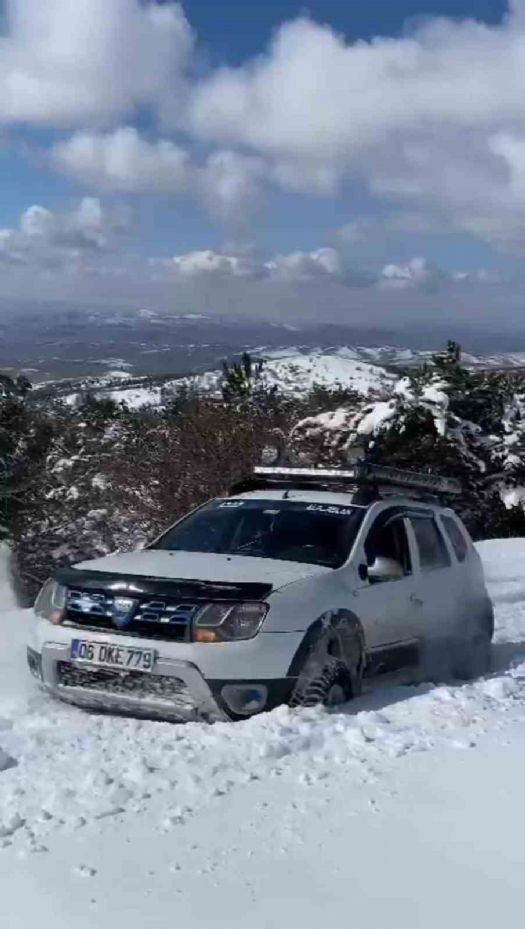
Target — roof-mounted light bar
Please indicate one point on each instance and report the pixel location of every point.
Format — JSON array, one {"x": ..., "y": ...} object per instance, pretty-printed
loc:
[{"x": 365, "y": 472}]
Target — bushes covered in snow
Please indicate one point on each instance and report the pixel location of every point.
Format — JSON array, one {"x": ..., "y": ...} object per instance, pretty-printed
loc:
[
  {"x": 82, "y": 481},
  {"x": 108, "y": 478}
]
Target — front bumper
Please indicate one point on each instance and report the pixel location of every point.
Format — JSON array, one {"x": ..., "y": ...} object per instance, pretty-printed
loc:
[
  {"x": 190, "y": 697},
  {"x": 177, "y": 688}
]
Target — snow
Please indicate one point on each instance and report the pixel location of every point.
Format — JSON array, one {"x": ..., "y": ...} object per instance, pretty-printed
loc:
[
  {"x": 513, "y": 496},
  {"x": 293, "y": 372},
  {"x": 433, "y": 394},
  {"x": 401, "y": 809},
  {"x": 122, "y": 375},
  {"x": 296, "y": 373},
  {"x": 135, "y": 397},
  {"x": 378, "y": 415}
]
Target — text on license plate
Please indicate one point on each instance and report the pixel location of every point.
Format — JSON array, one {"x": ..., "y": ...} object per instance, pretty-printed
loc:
[{"x": 112, "y": 656}]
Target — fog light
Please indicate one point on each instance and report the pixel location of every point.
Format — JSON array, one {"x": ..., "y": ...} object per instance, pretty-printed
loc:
[
  {"x": 245, "y": 699},
  {"x": 34, "y": 661}
]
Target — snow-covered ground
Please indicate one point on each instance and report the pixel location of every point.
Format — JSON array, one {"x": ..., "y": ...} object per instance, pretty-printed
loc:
[
  {"x": 295, "y": 373},
  {"x": 294, "y": 370},
  {"x": 400, "y": 810}
]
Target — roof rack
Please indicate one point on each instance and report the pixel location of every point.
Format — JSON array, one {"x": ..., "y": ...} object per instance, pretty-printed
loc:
[{"x": 360, "y": 474}]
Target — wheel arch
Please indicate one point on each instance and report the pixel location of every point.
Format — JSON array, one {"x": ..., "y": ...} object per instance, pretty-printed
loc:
[{"x": 344, "y": 625}]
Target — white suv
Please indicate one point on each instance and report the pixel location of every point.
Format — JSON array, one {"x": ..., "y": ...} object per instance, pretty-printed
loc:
[{"x": 290, "y": 590}]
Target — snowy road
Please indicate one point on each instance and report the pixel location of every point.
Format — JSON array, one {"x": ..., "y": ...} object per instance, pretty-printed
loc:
[{"x": 404, "y": 808}]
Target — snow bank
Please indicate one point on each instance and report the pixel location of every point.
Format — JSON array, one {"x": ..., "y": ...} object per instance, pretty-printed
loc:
[
  {"x": 127, "y": 761},
  {"x": 294, "y": 815}
]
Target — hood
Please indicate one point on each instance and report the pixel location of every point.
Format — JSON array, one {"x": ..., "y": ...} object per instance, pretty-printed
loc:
[{"x": 202, "y": 566}]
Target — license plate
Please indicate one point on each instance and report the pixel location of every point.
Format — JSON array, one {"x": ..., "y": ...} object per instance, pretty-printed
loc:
[{"x": 119, "y": 657}]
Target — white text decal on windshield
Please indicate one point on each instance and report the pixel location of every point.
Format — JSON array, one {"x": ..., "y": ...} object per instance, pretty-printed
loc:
[
  {"x": 231, "y": 503},
  {"x": 332, "y": 510}
]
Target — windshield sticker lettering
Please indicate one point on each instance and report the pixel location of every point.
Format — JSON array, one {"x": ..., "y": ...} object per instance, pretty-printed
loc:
[
  {"x": 330, "y": 509},
  {"x": 231, "y": 504}
]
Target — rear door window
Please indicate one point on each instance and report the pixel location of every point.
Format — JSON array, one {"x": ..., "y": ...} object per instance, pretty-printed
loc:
[
  {"x": 432, "y": 549},
  {"x": 456, "y": 536}
]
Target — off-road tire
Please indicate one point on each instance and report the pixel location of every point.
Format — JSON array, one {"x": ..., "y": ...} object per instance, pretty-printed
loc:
[
  {"x": 473, "y": 659},
  {"x": 323, "y": 673}
]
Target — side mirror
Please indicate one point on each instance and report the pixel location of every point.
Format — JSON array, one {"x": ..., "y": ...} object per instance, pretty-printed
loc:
[{"x": 385, "y": 569}]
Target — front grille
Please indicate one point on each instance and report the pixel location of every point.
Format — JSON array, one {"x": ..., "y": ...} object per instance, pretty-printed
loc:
[
  {"x": 131, "y": 683},
  {"x": 165, "y": 619}
]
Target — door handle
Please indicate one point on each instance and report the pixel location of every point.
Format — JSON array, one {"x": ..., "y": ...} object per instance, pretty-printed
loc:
[{"x": 415, "y": 600}]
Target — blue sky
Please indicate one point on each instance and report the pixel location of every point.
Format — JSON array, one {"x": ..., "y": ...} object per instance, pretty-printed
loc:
[
  {"x": 371, "y": 153},
  {"x": 234, "y": 30}
]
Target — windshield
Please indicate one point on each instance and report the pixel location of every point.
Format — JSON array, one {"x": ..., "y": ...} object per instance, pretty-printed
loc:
[{"x": 311, "y": 533}]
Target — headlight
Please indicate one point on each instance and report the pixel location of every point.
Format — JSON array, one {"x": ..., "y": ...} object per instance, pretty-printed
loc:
[
  {"x": 51, "y": 602},
  {"x": 226, "y": 622}
]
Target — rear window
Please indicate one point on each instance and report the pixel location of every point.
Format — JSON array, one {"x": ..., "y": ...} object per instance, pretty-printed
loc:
[
  {"x": 432, "y": 549},
  {"x": 457, "y": 539}
]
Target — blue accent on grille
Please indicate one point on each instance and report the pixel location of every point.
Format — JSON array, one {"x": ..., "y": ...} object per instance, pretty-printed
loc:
[{"x": 154, "y": 618}]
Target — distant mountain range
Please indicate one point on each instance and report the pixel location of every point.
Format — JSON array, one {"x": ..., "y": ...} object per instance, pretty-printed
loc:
[
  {"x": 370, "y": 371},
  {"x": 51, "y": 343}
]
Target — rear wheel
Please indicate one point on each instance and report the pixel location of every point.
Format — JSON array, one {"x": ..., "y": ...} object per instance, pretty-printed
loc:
[{"x": 473, "y": 658}]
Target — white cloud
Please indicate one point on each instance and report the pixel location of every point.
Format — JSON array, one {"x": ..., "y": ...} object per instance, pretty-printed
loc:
[
  {"x": 433, "y": 122},
  {"x": 418, "y": 117},
  {"x": 45, "y": 238},
  {"x": 208, "y": 263},
  {"x": 479, "y": 276},
  {"x": 303, "y": 266},
  {"x": 123, "y": 160},
  {"x": 296, "y": 268},
  {"x": 230, "y": 183},
  {"x": 68, "y": 62},
  {"x": 417, "y": 273}
]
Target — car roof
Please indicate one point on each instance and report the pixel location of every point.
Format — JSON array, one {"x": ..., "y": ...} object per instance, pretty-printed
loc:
[
  {"x": 337, "y": 499},
  {"x": 305, "y": 496}
]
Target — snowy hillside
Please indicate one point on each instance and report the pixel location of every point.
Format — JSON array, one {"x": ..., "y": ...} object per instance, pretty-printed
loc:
[
  {"x": 293, "y": 372},
  {"x": 292, "y": 817},
  {"x": 367, "y": 370}
]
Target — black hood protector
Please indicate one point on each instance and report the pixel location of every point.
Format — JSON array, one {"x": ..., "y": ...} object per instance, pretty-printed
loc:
[{"x": 160, "y": 586}]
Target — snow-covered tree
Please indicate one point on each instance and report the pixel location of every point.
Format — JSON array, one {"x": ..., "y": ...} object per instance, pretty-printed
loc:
[{"x": 441, "y": 418}]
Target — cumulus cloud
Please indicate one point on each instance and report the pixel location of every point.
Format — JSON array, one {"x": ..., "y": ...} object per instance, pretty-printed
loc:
[
  {"x": 123, "y": 160},
  {"x": 44, "y": 238},
  {"x": 323, "y": 265},
  {"x": 68, "y": 62},
  {"x": 228, "y": 182},
  {"x": 420, "y": 117},
  {"x": 314, "y": 95},
  {"x": 207, "y": 263},
  {"x": 303, "y": 266},
  {"x": 431, "y": 122},
  {"x": 416, "y": 273},
  {"x": 294, "y": 268}
]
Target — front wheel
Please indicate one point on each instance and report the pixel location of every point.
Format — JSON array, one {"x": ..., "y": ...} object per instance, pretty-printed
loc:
[{"x": 326, "y": 678}]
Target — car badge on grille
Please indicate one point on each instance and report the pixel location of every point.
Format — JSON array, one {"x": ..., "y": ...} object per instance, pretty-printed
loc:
[{"x": 122, "y": 610}]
